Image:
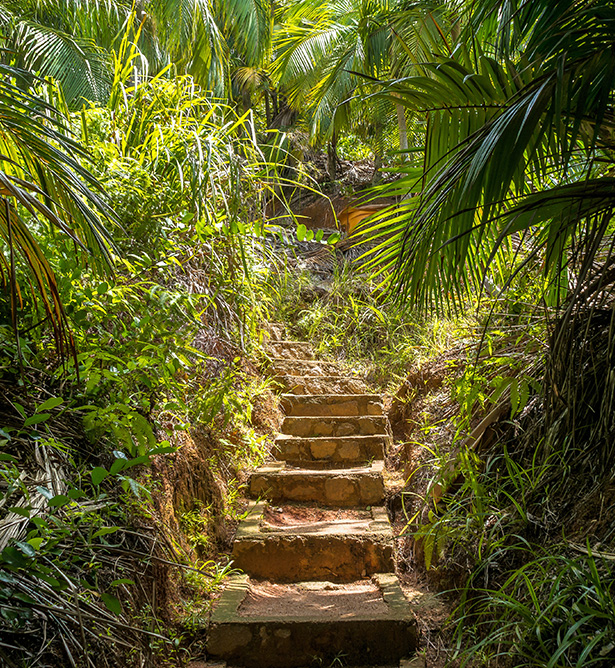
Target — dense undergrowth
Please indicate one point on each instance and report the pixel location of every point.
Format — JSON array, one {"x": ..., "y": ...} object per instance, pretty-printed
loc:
[
  {"x": 120, "y": 461},
  {"x": 140, "y": 155},
  {"x": 344, "y": 313},
  {"x": 506, "y": 518}
]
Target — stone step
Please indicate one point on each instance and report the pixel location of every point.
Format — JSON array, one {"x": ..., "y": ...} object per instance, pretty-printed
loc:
[
  {"x": 321, "y": 384},
  {"x": 403, "y": 663},
  {"x": 367, "y": 425},
  {"x": 291, "y": 350},
  {"x": 418, "y": 662},
  {"x": 296, "y": 542},
  {"x": 257, "y": 624},
  {"x": 287, "y": 367},
  {"x": 334, "y": 405},
  {"x": 342, "y": 450},
  {"x": 361, "y": 486}
]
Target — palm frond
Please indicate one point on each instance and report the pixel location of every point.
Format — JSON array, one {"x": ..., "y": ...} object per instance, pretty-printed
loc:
[
  {"x": 250, "y": 25},
  {"x": 43, "y": 180},
  {"x": 79, "y": 65},
  {"x": 320, "y": 49},
  {"x": 495, "y": 131}
]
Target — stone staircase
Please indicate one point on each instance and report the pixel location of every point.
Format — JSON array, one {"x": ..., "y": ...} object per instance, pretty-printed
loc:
[{"x": 316, "y": 547}]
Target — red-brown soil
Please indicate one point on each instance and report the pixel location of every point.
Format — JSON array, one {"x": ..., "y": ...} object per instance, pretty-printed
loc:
[
  {"x": 281, "y": 516},
  {"x": 326, "y": 601}
]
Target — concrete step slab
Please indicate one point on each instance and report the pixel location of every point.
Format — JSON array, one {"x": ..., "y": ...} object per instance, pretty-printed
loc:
[
  {"x": 321, "y": 384},
  {"x": 297, "y": 542},
  {"x": 300, "y": 367},
  {"x": 331, "y": 404},
  {"x": 327, "y": 450},
  {"x": 358, "y": 487},
  {"x": 367, "y": 425},
  {"x": 292, "y": 350},
  {"x": 257, "y": 624}
]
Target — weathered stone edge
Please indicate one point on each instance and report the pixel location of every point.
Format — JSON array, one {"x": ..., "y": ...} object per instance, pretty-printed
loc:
[
  {"x": 226, "y": 610},
  {"x": 250, "y": 527}
]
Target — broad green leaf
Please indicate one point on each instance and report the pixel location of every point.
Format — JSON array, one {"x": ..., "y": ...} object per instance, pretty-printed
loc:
[
  {"x": 36, "y": 419},
  {"x": 118, "y": 465},
  {"x": 53, "y": 402},
  {"x": 36, "y": 542},
  {"x": 98, "y": 474},
  {"x": 112, "y": 603},
  {"x": 122, "y": 581},
  {"x": 24, "y": 512},
  {"x": 163, "y": 449},
  {"x": 26, "y": 548},
  {"x": 105, "y": 531},
  {"x": 43, "y": 491},
  {"x": 58, "y": 501},
  {"x": 58, "y": 585},
  {"x": 13, "y": 557},
  {"x": 20, "y": 409},
  {"x": 301, "y": 232}
]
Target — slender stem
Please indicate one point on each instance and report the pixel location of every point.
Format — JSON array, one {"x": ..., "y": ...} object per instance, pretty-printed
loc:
[{"x": 13, "y": 284}]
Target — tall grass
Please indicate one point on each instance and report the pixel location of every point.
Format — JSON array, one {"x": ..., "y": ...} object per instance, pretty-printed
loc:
[
  {"x": 556, "y": 610},
  {"x": 347, "y": 316}
]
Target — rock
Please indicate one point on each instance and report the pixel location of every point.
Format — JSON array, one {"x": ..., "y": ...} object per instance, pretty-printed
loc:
[
  {"x": 322, "y": 449},
  {"x": 342, "y": 490}
]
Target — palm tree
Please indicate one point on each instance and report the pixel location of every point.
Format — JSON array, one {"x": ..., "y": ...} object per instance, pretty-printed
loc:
[
  {"x": 43, "y": 182},
  {"x": 320, "y": 48},
  {"x": 518, "y": 166},
  {"x": 326, "y": 51},
  {"x": 71, "y": 40},
  {"x": 332, "y": 54},
  {"x": 503, "y": 136}
]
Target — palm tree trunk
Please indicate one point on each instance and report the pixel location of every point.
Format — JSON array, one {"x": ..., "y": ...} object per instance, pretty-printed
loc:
[
  {"x": 378, "y": 149},
  {"x": 267, "y": 109},
  {"x": 332, "y": 157},
  {"x": 403, "y": 128},
  {"x": 377, "y": 176}
]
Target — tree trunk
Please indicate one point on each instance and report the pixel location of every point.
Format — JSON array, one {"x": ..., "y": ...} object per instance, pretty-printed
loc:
[
  {"x": 403, "y": 128},
  {"x": 267, "y": 109},
  {"x": 332, "y": 157},
  {"x": 378, "y": 149},
  {"x": 377, "y": 176}
]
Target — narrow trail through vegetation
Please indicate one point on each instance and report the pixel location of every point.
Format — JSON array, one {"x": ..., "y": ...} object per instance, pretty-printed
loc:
[
  {"x": 317, "y": 546},
  {"x": 421, "y": 192}
]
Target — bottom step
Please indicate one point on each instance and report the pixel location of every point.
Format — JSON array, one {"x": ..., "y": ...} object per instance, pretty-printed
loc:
[
  {"x": 257, "y": 624},
  {"x": 417, "y": 662}
]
